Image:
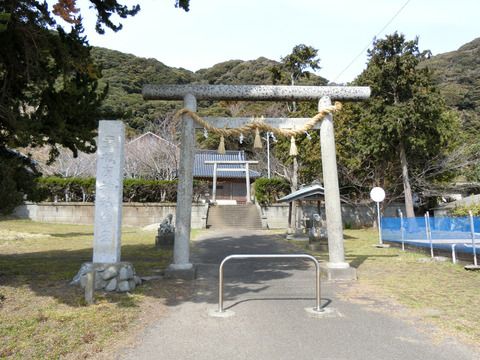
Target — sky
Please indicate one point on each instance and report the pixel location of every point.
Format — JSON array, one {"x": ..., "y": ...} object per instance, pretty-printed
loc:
[{"x": 214, "y": 31}]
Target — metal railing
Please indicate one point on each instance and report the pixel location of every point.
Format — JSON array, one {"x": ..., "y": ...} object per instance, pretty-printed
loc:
[{"x": 317, "y": 307}]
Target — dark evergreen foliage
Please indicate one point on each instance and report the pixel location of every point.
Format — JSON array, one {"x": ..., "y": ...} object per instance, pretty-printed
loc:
[
  {"x": 406, "y": 115},
  {"x": 268, "y": 191},
  {"x": 48, "y": 80}
]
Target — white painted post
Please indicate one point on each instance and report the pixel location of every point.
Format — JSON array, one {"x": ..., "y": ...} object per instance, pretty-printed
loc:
[
  {"x": 454, "y": 256},
  {"x": 268, "y": 154},
  {"x": 108, "y": 192},
  {"x": 247, "y": 182},
  {"x": 472, "y": 231},
  {"x": 332, "y": 192},
  {"x": 181, "y": 249},
  {"x": 377, "y": 194},
  {"x": 428, "y": 232},
  {"x": 379, "y": 220},
  {"x": 402, "y": 230},
  {"x": 214, "y": 186}
]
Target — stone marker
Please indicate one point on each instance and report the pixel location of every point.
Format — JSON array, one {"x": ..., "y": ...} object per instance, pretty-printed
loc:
[
  {"x": 108, "y": 192},
  {"x": 107, "y": 272}
]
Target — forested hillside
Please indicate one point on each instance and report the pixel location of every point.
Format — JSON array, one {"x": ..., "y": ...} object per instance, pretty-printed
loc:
[
  {"x": 457, "y": 74},
  {"x": 252, "y": 72},
  {"x": 125, "y": 75}
]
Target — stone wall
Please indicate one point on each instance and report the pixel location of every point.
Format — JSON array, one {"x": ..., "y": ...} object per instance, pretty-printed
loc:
[{"x": 134, "y": 214}]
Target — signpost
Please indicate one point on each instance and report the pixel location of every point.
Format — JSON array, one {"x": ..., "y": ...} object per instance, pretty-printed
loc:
[{"x": 377, "y": 194}]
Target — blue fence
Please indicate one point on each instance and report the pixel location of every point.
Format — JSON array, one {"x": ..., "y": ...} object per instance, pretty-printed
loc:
[{"x": 435, "y": 232}]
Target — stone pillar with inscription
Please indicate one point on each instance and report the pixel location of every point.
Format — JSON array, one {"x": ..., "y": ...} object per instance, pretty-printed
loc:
[
  {"x": 108, "y": 192},
  {"x": 106, "y": 270}
]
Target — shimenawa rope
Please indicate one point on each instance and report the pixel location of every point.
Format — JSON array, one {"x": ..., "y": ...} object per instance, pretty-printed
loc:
[{"x": 257, "y": 125}]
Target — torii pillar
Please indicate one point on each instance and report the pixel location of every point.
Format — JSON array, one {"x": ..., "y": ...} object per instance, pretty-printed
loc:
[{"x": 337, "y": 268}]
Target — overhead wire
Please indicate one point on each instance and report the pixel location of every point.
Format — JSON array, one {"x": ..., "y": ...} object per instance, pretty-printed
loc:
[{"x": 370, "y": 42}]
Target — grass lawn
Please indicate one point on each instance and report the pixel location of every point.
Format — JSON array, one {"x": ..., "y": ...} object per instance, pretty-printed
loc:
[
  {"x": 440, "y": 292},
  {"x": 41, "y": 316}
]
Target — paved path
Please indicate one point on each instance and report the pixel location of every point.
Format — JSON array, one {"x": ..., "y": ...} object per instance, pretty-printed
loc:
[{"x": 270, "y": 322}]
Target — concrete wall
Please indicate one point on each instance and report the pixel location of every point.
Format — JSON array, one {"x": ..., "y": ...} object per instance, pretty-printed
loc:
[
  {"x": 142, "y": 214},
  {"x": 134, "y": 214},
  {"x": 444, "y": 209},
  {"x": 276, "y": 216}
]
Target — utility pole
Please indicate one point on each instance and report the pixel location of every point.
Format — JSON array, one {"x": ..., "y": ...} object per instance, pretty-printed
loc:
[{"x": 267, "y": 138}]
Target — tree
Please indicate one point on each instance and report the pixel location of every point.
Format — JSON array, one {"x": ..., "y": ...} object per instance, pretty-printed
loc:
[
  {"x": 151, "y": 157},
  {"x": 403, "y": 126},
  {"x": 296, "y": 64},
  {"x": 64, "y": 165},
  {"x": 294, "y": 67},
  {"x": 305, "y": 167},
  {"x": 16, "y": 170},
  {"x": 49, "y": 83}
]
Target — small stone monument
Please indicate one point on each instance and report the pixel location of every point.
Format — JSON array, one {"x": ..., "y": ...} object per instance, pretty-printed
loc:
[
  {"x": 166, "y": 233},
  {"x": 317, "y": 235}
]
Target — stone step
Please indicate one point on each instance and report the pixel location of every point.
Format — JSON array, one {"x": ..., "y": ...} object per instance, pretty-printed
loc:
[{"x": 234, "y": 216}]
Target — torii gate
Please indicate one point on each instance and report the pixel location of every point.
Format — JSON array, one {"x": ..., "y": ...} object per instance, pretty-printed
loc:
[
  {"x": 245, "y": 169},
  {"x": 337, "y": 267}
]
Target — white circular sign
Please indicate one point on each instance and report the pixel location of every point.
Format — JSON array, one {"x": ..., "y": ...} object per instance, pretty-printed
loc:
[{"x": 377, "y": 194}]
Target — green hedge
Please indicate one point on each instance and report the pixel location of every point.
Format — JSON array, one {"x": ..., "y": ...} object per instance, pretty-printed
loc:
[
  {"x": 267, "y": 191},
  {"x": 67, "y": 189},
  {"x": 134, "y": 190}
]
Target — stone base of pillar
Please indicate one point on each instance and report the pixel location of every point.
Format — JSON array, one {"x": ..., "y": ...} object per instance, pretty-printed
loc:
[
  {"x": 318, "y": 245},
  {"x": 338, "y": 273},
  {"x": 472, "y": 267},
  {"x": 384, "y": 246},
  {"x": 111, "y": 277},
  {"x": 181, "y": 271}
]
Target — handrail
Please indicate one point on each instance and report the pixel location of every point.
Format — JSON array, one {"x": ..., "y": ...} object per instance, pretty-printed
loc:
[{"x": 317, "y": 308}]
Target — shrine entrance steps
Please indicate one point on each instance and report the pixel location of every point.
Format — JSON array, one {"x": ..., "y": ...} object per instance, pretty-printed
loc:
[{"x": 245, "y": 216}]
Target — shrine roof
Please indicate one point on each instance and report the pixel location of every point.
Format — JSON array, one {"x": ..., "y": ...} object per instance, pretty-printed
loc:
[
  {"x": 311, "y": 192},
  {"x": 202, "y": 170}
]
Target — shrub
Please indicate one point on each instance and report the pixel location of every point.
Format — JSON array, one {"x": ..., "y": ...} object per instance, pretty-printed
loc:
[
  {"x": 267, "y": 191},
  {"x": 463, "y": 210},
  {"x": 138, "y": 190},
  {"x": 134, "y": 190},
  {"x": 67, "y": 189}
]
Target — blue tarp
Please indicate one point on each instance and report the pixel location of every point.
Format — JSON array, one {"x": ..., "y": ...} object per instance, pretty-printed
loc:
[{"x": 444, "y": 231}]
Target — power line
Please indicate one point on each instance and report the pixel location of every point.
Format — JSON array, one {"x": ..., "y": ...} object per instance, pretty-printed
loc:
[{"x": 368, "y": 45}]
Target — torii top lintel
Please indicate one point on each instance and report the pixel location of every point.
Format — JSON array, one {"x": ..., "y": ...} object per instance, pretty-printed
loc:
[{"x": 254, "y": 92}]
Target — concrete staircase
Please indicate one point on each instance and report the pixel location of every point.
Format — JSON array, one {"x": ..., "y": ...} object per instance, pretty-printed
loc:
[{"x": 234, "y": 216}]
